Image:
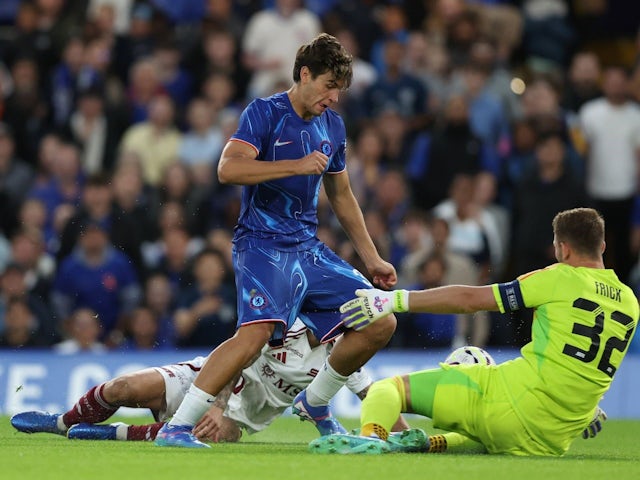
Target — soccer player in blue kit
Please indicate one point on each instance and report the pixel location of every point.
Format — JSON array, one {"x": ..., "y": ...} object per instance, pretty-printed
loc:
[{"x": 285, "y": 146}]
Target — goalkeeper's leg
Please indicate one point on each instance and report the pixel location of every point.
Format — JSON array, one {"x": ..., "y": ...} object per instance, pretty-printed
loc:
[{"x": 388, "y": 398}]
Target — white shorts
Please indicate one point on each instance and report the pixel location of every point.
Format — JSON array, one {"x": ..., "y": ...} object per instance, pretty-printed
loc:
[{"x": 178, "y": 377}]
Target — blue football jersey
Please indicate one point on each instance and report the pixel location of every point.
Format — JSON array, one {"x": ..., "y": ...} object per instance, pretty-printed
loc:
[{"x": 283, "y": 213}]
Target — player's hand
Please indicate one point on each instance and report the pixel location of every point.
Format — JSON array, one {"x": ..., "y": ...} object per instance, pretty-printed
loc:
[
  {"x": 384, "y": 274},
  {"x": 210, "y": 424},
  {"x": 313, "y": 164},
  {"x": 371, "y": 305},
  {"x": 596, "y": 424}
]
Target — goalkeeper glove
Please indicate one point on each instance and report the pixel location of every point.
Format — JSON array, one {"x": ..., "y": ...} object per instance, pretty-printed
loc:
[
  {"x": 371, "y": 305},
  {"x": 596, "y": 424}
]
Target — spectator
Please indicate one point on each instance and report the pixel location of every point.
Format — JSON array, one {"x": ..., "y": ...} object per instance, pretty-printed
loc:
[
  {"x": 97, "y": 276},
  {"x": 26, "y": 108},
  {"x": 484, "y": 52},
  {"x": 365, "y": 164},
  {"x": 160, "y": 300},
  {"x": 178, "y": 186},
  {"x": 267, "y": 48},
  {"x": 83, "y": 329},
  {"x": 16, "y": 176},
  {"x": 611, "y": 127},
  {"x": 142, "y": 331},
  {"x": 69, "y": 77},
  {"x": 48, "y": 149},
  {"x": 487, "y": 116},
  {"x": 143, "y": 86},
  {"x": 13, "y": 285},
  {"x": 132, "y": 200},
  {"x": 396, "y": 91},
  {"x": 97, "y": 208},
  {"x": 202, "y": 143},
  {"x": 583, "y": 81},
  {"x": 416, "y": 243},
  {"x": 64, "y": 187},
  {"x": 393, "y": 28},
  {"x": 430, "y": 330},
  {"x": 136, "y": 45},
  {"x": 175, "y": 80},
  {"x": 95, "y": 130},
  {"x": 20, "y": 327},
  {"x": 437, "y": 157},
  {"x": 206, "y": 310},
  {"x": 392, "y": 202},
  {"x": 28, "y": 250},
  {"x": 520, "y": 160},
  {"x": 155, "y": 141},
  {"x": 548, "y": 35},
  {"x": 467, "y": 232},
  {"x": 172, "y": 253},
  {"x": 221, "y": 56},
  {"x": 121, "y": 12}
]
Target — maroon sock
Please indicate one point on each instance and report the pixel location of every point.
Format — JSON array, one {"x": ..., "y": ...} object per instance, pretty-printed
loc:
[
  {"x": 144, "y": 432},
  {"x": 91, "y": 408}
]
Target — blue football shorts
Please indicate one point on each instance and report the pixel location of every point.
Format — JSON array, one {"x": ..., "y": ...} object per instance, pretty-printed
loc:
[{"x": 277, "y": 286}]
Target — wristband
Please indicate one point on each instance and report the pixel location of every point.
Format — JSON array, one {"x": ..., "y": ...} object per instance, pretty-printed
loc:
[{"x": 401, "y": 301}]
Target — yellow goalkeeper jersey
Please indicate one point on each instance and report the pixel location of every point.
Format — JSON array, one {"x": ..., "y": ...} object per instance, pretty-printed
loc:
[{"x": 583, "y": 322}]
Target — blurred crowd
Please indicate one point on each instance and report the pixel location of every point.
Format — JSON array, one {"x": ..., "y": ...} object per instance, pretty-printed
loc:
[{"x": 470, "y": 124}]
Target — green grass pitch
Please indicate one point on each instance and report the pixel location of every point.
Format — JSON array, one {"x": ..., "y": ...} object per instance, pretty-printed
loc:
[{"x": 280, "y": 452}]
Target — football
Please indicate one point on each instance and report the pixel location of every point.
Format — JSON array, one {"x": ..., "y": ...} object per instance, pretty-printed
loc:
[{"x": 469, "y": 355}]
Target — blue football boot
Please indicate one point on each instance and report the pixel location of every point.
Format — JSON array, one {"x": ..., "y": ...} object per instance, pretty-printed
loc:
[
  {"x": 36, "y": 422},
  {"x": 320, "y": 416},
  {"x": 178, "y": 436}
]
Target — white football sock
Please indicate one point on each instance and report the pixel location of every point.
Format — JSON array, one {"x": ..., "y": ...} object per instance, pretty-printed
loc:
[
  {"x": 121, "y": 431},
  {"x": 196, "y": 402},
  {"x": 324, "y": 387},
  {"x": 60, "y": 424}
]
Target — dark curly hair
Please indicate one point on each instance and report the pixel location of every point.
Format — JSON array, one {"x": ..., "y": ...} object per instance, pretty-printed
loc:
[{"x": 324, "y": 54}]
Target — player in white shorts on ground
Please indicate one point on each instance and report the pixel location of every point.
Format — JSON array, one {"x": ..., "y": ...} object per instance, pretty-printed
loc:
[{"x": 261, "y": 394}]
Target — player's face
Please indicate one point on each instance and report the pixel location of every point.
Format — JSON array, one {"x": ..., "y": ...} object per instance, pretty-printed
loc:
[{"x": 319, "y": 93}]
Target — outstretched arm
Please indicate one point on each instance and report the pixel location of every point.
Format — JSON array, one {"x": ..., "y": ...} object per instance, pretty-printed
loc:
[{"x": 372, "y": 304}]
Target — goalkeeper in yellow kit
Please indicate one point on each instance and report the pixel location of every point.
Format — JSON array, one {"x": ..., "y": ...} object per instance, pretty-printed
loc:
[{"x": 536, "y": 404}]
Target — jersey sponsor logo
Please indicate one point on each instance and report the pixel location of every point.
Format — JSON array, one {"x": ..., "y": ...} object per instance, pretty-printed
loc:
[
  {"x": 280, "y": 356},
  {"x": 288, "y": 388},
  {"x": 293, "y": 351},
  {"x": 280, "y": 143},
  {"x": 257, "y": 300},
  {"x": 326, "y": 147},
  {"x": 267, "y": 371}
]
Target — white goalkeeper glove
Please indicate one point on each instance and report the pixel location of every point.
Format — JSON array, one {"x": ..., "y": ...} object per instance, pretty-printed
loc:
[
  {"x": 596, "y": 424},
  {"x": 371, "y": 305}
]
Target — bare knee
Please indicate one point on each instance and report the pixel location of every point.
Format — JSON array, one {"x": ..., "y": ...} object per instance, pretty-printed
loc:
[
  {"x": 380, "y": 332},
  {"x": 253, "y": 338},
  {"x": 120, "y": 391}
]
